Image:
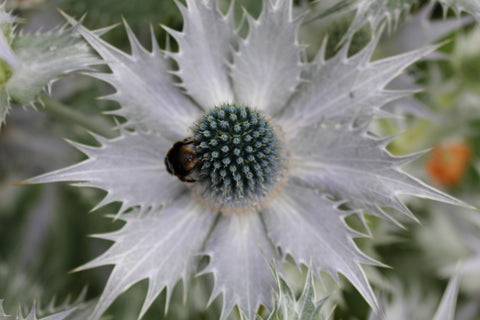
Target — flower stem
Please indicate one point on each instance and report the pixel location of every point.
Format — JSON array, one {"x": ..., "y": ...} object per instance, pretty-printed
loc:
[{"x": 66, "y": 113}]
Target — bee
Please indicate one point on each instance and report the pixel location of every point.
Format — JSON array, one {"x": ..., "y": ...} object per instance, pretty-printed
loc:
[{"x": 181, "y": 160}]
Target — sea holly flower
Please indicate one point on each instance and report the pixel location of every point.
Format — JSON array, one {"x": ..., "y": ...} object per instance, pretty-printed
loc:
[
  {"x": 255, "y": 154},
  {"x": 30, "y": 62}
]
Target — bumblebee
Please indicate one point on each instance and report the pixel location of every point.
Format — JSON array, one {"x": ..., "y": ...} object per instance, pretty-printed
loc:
[{"x": 181, "y": 160}]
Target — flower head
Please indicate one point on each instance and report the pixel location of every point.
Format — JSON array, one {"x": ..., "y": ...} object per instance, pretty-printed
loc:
[
  {"x": 240, "y": 160},
  {"x": 259, "y": 142},
  {"x": 30, "y": 62}
]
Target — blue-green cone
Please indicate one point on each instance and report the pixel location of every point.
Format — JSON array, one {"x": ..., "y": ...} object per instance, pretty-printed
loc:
[{"x": 241, "y": 160}]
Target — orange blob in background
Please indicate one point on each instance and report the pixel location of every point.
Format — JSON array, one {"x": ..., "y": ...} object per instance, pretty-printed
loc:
[{"x": 447, "y": 163}]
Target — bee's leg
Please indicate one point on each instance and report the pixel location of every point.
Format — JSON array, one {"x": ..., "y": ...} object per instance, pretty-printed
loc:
[
  {"x": 167, "y": 166},
  {"x": 189, "y": 140},
  {"x": 187, "y": 179}
]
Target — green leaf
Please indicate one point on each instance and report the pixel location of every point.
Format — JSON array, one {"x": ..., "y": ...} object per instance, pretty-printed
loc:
[
  {"x": 307, "y": 307},
  {"x": 287, "y": 307}
]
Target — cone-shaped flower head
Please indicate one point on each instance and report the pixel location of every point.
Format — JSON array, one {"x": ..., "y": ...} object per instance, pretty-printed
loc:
[{"x": 240, "y": 159}]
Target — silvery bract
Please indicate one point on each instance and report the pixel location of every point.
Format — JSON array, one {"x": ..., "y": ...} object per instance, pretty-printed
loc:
[
  {"x": 73, "y": 311},
  {"x": 285, "y": 184},
  {"x": 376, "y": 12},
  {"x": 415, "y": 304},
  {"x": 30, "y": 62},
  {"x": 470, "y": 6}
]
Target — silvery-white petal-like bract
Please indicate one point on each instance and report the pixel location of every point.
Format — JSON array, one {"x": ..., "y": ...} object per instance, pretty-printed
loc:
[
  {"x": 470, "y": 6},
  {"x": 327, "y": 159}
]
